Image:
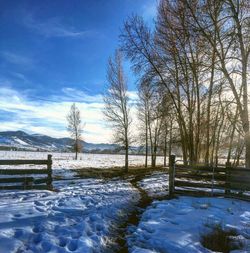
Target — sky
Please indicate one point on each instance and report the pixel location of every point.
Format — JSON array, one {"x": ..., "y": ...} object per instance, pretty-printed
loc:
[{"x": 54, "y": 53}]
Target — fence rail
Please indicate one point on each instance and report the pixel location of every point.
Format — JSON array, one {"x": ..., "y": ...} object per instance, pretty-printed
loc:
[
  {"x": 26, "y": 178},
  {"x": 208, "y": 180}
]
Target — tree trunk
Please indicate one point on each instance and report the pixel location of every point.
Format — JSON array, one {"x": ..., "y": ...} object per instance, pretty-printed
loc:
[
  {"x": 126, "y": 150},
  {"x": 232, "y": 136},
  {"x": 209, "y": 109},
  {"x": 165, "y": 150},
  {"x": 153, "y": 160},
  {"x": 76, "y": 151},
  {"x": 247, "y": 144},
  {"x": 146, "y": 143},
  {"x": 170, "y": 139},
  {"x": 126, "y": 159}
]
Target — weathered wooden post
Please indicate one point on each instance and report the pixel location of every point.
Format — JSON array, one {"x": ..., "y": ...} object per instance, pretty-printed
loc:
[
  {"x": 228, "y": 176},
  {"x": 171, "y": 175},
  {"x": 49, "y": 168}
]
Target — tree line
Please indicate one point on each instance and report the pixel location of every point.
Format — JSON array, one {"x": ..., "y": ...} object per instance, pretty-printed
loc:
[{"x": 192, "y": 70}]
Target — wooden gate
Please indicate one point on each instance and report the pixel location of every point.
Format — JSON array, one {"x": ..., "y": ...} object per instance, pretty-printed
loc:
[
  {"x": 26, "y": 178},
  {"x": 208, "y": 180}
]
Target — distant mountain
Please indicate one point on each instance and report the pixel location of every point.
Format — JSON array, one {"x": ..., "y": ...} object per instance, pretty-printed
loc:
[{"x": 20, "y": 140}]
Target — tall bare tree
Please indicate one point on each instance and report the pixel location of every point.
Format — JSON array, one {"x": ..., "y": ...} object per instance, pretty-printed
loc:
[
  {"x": 231, "y": 24},
  {"x": 116, "y": 101},
  {"x": 75, "y": 128},
  {"x": 144, "y": 94}
]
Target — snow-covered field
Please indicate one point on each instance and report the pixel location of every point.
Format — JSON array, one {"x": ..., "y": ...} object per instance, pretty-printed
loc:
[
  {"x": 64, "y": 162},
  {"x": 78, "y": 218},
  {"x": 84, "y": 160},
  {"x": 177, "y": 225}
]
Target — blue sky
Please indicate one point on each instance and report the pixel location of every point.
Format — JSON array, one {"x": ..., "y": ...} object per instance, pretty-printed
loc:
[{"x": 53, "y": 53}]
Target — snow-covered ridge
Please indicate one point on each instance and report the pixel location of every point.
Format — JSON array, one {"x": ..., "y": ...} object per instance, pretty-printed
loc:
[{"x": 22, "y": 140}]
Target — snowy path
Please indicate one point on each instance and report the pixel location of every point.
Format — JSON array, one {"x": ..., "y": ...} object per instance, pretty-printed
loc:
[{"x": 151, "y": 186}]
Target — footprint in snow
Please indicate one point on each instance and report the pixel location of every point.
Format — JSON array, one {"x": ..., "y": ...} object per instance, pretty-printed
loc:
[
  {"x": 46, "y": 246},
  {"x": 49, "y": 203},
  {"x": 38, "y": 203},
  {"x": 99, "y": 227},
  {"x": 17, "y": 215},
  {"x": 72, "y": 246},
  {"x": 62, "y": 241},
  {"x": 60, "y": 204},
  {"x": 89, "y": 233},
  {"x": 174, "y": 222},
  {"x": 76, "y": 234},
  {"x": 18, "y": 233},
  {"x": 37, "y": 238},
  {"x": 39, "y": 209},
  {"x": 37, "y": 229}
]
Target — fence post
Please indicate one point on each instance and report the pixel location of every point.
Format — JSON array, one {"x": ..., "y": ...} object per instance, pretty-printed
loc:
[
  {"x": 49, "y": 168},
  {"x": 171, "y": 175},
  {"x": 228, "y": 175}
]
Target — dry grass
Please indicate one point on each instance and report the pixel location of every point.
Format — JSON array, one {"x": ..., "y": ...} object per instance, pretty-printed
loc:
[
  {"x": 115, "y": 172},
  {"x": 220, "y": 240}
]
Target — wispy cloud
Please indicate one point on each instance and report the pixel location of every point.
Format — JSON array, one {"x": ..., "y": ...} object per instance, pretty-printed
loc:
[
  {"x": 72, "y": 94},
  {"x": 16, "y": 58},
  {"x": 49, "y": 117},
  {"x": 53, "y": 27}
]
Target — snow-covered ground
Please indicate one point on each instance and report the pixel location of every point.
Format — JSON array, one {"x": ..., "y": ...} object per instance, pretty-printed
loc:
[
  {"x": 156, "y": 185},
  {"x": 78, "y": 218},
  {"x": 177, "y": 225}
]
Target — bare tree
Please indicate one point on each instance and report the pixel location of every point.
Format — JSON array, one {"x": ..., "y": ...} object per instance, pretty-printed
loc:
[
  {"x": 116, "y": 101},
  {"x": 75, "y": 128},
  {"x": 144, "y": 94},
  {"x": 232, "y": 49},
  {"x": 198, "y": 53}
]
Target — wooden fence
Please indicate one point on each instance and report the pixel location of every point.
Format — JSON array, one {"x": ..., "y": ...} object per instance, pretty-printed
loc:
[
  {"x": 26, "y": 179},
  {"x": 208, "y": 180}
]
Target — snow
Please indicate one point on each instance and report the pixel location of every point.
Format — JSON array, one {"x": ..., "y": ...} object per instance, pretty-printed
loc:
[
  {"x": 156, "y": 185},
  {"x": 78, "y": 218},
  {"x": 20, "y": 141},
  {"x": 176, "y": 225}
]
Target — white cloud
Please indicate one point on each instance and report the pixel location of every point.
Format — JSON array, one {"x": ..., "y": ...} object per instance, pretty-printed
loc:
[{"x": 49, "y": 117}]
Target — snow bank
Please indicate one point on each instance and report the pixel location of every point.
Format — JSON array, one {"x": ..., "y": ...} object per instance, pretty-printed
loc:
[
  {"x": 176, "y": 225},
  {"x": 78, "y": 218}
]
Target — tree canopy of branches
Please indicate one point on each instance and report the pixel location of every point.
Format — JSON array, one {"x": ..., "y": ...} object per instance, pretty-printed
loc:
[
  {"x": 75, "y": 128},
  {"x": 198, "y": 56},
  {"x": 116, "y": 101}
]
